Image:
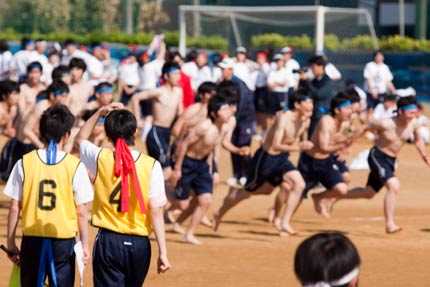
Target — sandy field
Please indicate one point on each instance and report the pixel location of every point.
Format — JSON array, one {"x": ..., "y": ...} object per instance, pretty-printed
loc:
[{"x": 247, "y": 250}]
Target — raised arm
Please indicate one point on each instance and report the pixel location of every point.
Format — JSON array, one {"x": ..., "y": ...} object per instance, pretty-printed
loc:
[{"x": 144, "y": 95}]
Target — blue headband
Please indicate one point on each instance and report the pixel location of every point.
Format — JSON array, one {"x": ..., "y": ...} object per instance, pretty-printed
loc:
[
  {"x": 344, "y": 105},
  {"x": 101, "y": 121},
  {"x": 51, "y": 152},
  {"x": 60, "y": 92},
  {"x": 36, "y": 67},
  {"x": 171, "y": 70},
  {"x": 409, "y": 107},
  {"x": 105, "y": 90}
]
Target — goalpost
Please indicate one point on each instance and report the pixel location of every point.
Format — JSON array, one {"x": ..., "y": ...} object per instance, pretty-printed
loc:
[{"x": 239, "y": 24}]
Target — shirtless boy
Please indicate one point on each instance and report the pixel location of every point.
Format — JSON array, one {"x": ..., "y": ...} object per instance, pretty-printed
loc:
[
  {"x": 9, "y": 95},
  {"x": 80, "y": 89},
  {"x": 392, "y": 134},
  {"x": 31, "y": 88},
  {"x": 270, "y": 165},
  {"x": 167, "y": 104},
  {"x": 191, "y": 170}
]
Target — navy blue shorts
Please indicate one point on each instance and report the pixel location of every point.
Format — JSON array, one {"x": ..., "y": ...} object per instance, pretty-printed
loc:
[
  {"x": 371, "y": 102},
  {"x": 64, "y": 261},
  {"x": 125, "y": 98},
  {"x": 280, "y": 100},
  {"x": 196, "y": 176},
  {"x": 157, "y": 144},
  {"x": 341, "y": 164},
  {"x": 382, "y": 168},
  {"x": 267, "y": 168},
  {"x": 261, "y": 100},
  {"x": 214, "y": 166},
  {"x": 120, "y": 259},
  {"x": 319, "y": 170},
  {"x": 146, "y": 107}
]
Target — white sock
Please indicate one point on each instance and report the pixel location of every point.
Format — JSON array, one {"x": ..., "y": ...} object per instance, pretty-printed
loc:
[{"x": 147, "y": 125}]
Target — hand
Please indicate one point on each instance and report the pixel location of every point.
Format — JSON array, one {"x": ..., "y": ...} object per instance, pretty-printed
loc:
[
  {"x": 105, "y": 110},
  {"x": 426, "y": 159},
  {"x": 374, "y": 94},
  {"x": 176, "y": 175},
  {"x": 163, "y": 264},
  {"x": 15, "y": 251},
  {"x": 86, "y": 254},
  {"x": 245, "y": 150},
  {"x": 10, "y": 132},
  {"x": 305, "y": 145}
]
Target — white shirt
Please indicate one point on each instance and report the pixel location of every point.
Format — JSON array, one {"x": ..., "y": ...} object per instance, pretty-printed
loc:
[
  {"x": 157, "y": 195},
  {"x": 76, "y": 54},
  {"x": 192, "y": 71},
  {"x": 243, "y": 72},
  {"x": 260, "y": 76},
  {"x": 204, "y": 74},
  {"x": 129, "y": 73},
  {"x": 379, "y": 74},
  {"x": 150, "y": 74},
  {"x": 6, "y": 59},
  {"x": 82, "y": 188},
  {"x": 21, "y": 59},
  {"x": 332, "y": 72},
  {"x": 95, "y": 67},
  {"x": 216, "y": 74},
  {"x": 279, "y": 76},
  {"x": 381, "y": 113}
]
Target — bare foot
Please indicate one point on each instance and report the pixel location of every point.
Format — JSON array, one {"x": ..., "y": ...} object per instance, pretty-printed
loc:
[
  {"x": 287, "y": 230},
  {"x": 394, "y": 229},
  {"x": 277, "y": 223},
  {"x": 330, "y": 203},
  {"x": 169, "y": 217},
  {"x": 271, "y": 215},
  {"x": 317, "y": 205},
  {"x": 206, "y": 222},
  {"x": 324, "y": 208},
  {"x": 177, "y": 228},
  {"x": 216, "y": 221},
  {"x": 191, "y": 239}
]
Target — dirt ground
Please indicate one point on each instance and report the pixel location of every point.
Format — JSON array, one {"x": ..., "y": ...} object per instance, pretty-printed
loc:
[{"x": 247, "y": 250}]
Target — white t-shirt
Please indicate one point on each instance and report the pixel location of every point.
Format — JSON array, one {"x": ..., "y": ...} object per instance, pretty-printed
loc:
[
  {"x": 260, "y": 76},
  {"x": 95, "y": 67},
  {"x": 21, "y": 59},
  {"x": 204, "y": 74},
  {"x": 150, "y": 74},
  {"x": 129, "y": 73},
  {"x": 381, "y": 113},
  {"x": 157, "y": 195},
  {"x": 192, "y": 71},
  {"x": 379, "y": 74},
  {"x": 279, "y": 76},
  {"x": 291, "y": 65},
  {"x": 82, "y": 187},
  {"x": 332, "y": 72},
  {"x": 6, "y": 59},
  {"x": 243, "y": 72}
]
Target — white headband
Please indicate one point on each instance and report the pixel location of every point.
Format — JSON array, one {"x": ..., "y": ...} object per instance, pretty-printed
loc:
[{"x": 339, "y": 282}]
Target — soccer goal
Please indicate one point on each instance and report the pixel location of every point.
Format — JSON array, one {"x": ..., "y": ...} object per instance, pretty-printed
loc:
[{"x": 240, "y": 24}]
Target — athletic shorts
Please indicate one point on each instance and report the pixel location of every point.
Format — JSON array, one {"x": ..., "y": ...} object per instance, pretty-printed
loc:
[
  {"x": 12, "y": 151},
  {"x": 64, "y": 261},
  {"x": 261, "y": 98},
  {"x": 319, "y": 170},
  {"x": 341, "y": 164},
  {"x": 125, "y": 98},
  {"x": 146, "y": 107},
  {"x": 120, "y": 259},
  {"x": 196, "y": 176},
  {"x": 371, "y": 102},
  {"x": 382, "y": 168},
  {"x": 280, "y": 100},
  {"x": 267, "y": 168},
  {"x": 157, "y": 144}
]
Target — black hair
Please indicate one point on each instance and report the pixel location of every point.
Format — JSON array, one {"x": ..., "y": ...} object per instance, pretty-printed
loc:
[
  {"x": 215, "y": 103},
  {"x": 4, "y": 46},
  {"x": 229, "y": 91},
  {"x": 297, "y": 97},
  {"x": 176, "y": 54},
  {"x": 191, "y": 56},
  {"x": 340, "y": 98},
  {"x": 7, "y": 87},
  {"x": 55, "y": 122},
  {"x": 121, "y": 124},
  {"x": 24, "y": 42},
  {"x": 389, "y": 97},
  {"x": 406, "y": 101},
  {"x": 34, "y": 65},
  {"x": 69, "y": 42},
  {"x": 167, "y": 66},
  {"x": 207, "y": 88},
  {"x": 77, "y": 63},
  {"x": 59, "y": 71},
  {"x": 317, "y": 60},
  {"x": 102, "y": 85},
  {"x": 325, "y": 257},
  {"x": 352, "y": 94},
  {"x": 376, "y": 53},
  {"x": 57, "y": 85}
]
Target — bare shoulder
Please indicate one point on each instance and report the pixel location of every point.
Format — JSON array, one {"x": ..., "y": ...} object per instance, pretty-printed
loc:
[{"x": 191, "y": 110}]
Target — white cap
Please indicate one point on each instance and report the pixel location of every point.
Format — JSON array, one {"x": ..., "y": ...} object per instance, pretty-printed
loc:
[
  {"x": 241, "y": 50},
  {"x": 277, "y": 57},
  {"x": 226, "y": 63},
  {"x": 286, "y": 49}
]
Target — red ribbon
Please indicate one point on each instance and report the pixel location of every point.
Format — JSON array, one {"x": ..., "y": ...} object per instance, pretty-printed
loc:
[{"x": 124, "y": 165}]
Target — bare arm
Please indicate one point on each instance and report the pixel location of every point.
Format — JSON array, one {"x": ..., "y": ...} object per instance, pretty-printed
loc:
[
  {"x": 12, "y": 223},
  {"x": 228, "y": 145},
  {"x": 277, "y": 144},
  {"x": 159, "y": 229},
  {"x": 83, "y": 215},
  {"x": 144, "y": 95},
  {"x": 326, "y": 144},
  {"x": 419, "y": 143},
  {"x": 29, "y": 127},
  {"x": 391, "y": 87}
]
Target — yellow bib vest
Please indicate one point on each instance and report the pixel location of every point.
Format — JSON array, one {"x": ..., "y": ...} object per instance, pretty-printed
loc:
[
  {"x": 48, "y": 206},
  {"x": 107, "y": 191}
]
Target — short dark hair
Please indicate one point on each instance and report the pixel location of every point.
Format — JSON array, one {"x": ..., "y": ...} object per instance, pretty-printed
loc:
[
  {"x": 297, "y": 97},
  {"x": 352, "y": 94},
  {"x": 317, "y": 60},
  {"x": 77, "y": 63},
  {"x": 59, "y": 71},
  {"x": 340, "y": 98},
  {"x": 167, "y": 67},
  {"x": 4, "y": 46},
  {"x": 57, "y": 86},
  {"x": 102, "y": 85},
  {"x": 229, "y": 91},
  {"x": 215, "y": 103},
  {"x": 69, "y": 42},
  {"x": 325, "y": 257},
  {"x": 406, "y": 101},
  {"x": 55, "y": 122},
  {"x": 206, "y": 88},
  {"x": 7, "y": 87},
  {"x": 121, "y": 124},
  {"x": 34, "y": 65},
  {"x": 376, "y": 53}
]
